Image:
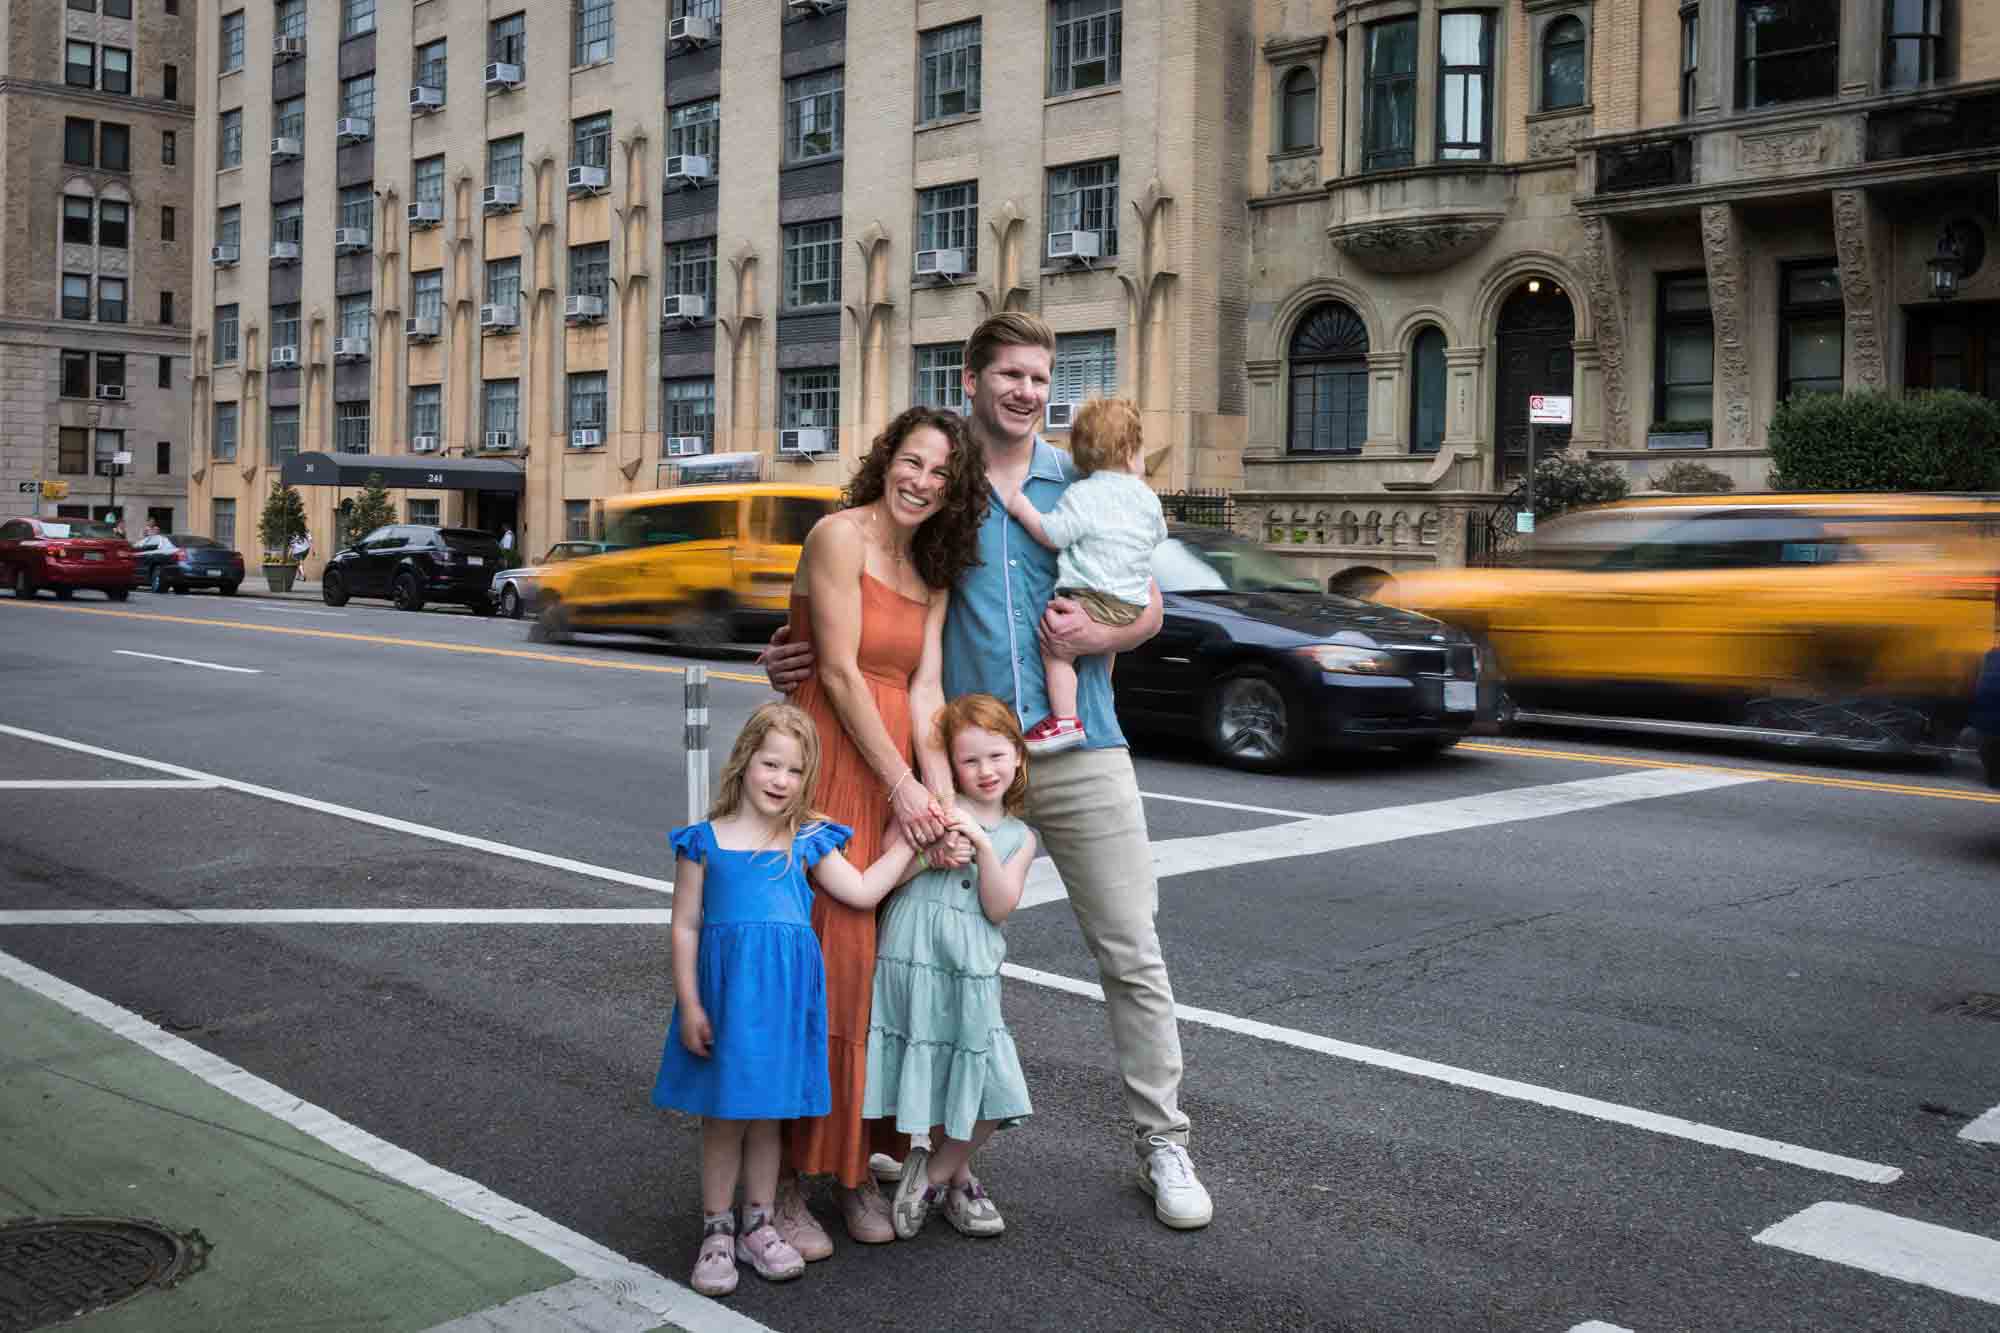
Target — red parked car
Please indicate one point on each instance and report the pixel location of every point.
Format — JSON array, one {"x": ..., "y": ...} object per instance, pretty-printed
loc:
[{"x": 64, "y": 555}]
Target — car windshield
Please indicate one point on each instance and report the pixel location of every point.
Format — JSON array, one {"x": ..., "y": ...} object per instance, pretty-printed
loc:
[
  {"x": 1594, "y": 539},
  {"x": 99, "y": 530},
  {"x": 1216, "y": 562},
  {"x": 192, "y": 542}
]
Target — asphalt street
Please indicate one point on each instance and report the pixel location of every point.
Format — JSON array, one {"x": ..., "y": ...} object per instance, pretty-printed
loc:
[{"x": 1549, "y": 1030}]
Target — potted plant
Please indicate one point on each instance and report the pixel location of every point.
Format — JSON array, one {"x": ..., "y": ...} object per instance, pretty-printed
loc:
[{"x": 280, "y": 528}]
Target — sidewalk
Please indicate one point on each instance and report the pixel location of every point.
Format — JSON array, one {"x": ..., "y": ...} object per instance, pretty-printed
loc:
[{"x": 136, "y": 1123}]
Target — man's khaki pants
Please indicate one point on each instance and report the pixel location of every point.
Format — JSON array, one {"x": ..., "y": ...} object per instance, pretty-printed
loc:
[{"x": 1084, "y": 804}]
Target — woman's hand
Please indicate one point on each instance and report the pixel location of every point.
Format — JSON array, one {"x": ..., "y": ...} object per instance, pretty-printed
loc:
[
  {"x": 918, "y": 816},
  {"x": 697, "y": 1033}
]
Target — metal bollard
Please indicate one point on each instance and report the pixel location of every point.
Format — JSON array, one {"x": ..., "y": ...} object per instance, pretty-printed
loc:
[{"x": 694, "y": 740}]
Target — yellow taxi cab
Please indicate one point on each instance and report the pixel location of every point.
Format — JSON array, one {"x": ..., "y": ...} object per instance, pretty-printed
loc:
[
  {"x": 706, "y": 563},
  {"x": 1855, "y": 619}
]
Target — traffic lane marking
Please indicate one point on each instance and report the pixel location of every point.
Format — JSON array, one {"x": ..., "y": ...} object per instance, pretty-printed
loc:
[
  {"x": 1903, "y": 1248},
  {"x": 343, "y": 916},
  {"x": 581, "y": 1255},
  {"x": 188, "y": 661},
  {"x": 1765, "y": 775},
  {"x": 1986, "y": 1129},
  {"x": 108, "y": 784},
  {"x": 1599, "y": 1326}
]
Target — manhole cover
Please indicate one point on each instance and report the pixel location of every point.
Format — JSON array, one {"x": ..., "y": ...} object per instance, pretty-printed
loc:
[
  {"x": 1976, "y": 1005},
  {"x": 53, "y": 1269}
]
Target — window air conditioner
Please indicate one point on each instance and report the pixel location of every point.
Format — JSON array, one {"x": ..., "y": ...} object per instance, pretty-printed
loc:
[
  {"x": 1080, "y": 245},
  {"x": 350, "y": 349},
  {"x": 284, "y": 356},
  {"x": 814, "y": 6},
  {"x": 685, "y": 446},
  {"x": 588, "y": 180},
  {"x": 111, "y": 393},
  {"x": 1059, "y": 415},
  {"x": 498, "y": 318},
  {"x": 499, "y": 198},
  {"x": 284, "y": 252},
  {"x": 940, "y": 263},
  {"x": 353, "y": 129},
  {"x": 425, "y": 99},
  {"x": 805, "y": 443},
  {"x": 284, "y": 148},
  {"x": 501, "y": 76},
  {"x": 583, "y": 309},
  {"x": 588, "y": 438},
  {"x": 688, "y": 169},
  {"x": 693, "y": 30},
  {"x": 499, "y": 439},
  {"x": 689, "y": 308},
  {"x": 426, "y": 213},
  {"x": 349, "y": 240},
  {"x": 287, "y": 48},
  {"x": 223, "y": 256},
  {"x": 424, "y": 444},
  {"x": 422, "y": 328}
]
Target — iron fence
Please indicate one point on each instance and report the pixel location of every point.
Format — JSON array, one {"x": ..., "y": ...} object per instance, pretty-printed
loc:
[{"x": 1204, "y": 508}]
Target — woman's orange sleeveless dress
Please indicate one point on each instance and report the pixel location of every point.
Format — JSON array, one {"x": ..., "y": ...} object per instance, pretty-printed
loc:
[{"x": 892, "y": 645}]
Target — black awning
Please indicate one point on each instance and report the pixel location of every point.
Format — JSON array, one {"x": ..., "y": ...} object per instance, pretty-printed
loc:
[{"x": 401, "y": 472}]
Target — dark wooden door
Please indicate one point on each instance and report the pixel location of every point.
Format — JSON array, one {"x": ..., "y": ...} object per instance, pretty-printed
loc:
[
  {"x": 1535, "y": 333},
  {"x": 1955, "y": 348}
]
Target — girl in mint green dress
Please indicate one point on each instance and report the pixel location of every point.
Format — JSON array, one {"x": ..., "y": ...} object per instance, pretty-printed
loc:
[{"x": 940, "y": 1057}]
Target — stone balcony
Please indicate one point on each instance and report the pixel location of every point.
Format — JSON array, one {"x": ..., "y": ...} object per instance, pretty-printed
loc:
[{"x": 1417, "y": 219}]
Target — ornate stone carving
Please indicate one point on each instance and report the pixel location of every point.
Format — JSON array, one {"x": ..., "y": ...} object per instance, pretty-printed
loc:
[
  {"x": 80, "y": 25},
  {"x": 1780, "y": 148},
  {"x": 1413, "y": 245},
  {"x": 1604, "y": 279},
  {"x": 1557, "y": 138},
  {"x": 111, "y": 261},
  {"x": 77, "y": 258},
  {"x": 1722, "y": 245},
  {"x": 1853, "y": 240},
  {"x": 1294, "y": 175}
]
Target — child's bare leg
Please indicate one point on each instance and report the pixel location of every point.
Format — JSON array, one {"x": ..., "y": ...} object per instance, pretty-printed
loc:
[
  {"x": 951, "y": 1161},
  {"x": 721, "y": 1161},
  {"x": 760, "y": 1165},
  {"x": 1060, "y": 673}
]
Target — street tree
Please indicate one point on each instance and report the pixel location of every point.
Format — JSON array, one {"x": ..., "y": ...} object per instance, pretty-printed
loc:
[
  {"x": 282, "y": 523},
  {"x": 368, "y": 513}
]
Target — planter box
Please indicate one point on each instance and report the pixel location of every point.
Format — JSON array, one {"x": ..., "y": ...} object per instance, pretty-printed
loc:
[
  {"x": 279, "y": 578},
  {"x": 1677, "y": 439}
]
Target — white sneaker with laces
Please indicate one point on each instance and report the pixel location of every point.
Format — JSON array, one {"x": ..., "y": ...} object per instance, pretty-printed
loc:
[{"x": 1179, "y": 1200}]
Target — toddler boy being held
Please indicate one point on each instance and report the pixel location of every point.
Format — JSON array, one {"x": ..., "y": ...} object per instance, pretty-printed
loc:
[{"x": 1104, "y": 529}]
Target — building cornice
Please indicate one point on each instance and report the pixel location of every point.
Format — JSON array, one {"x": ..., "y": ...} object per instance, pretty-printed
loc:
[
  {"x": 55, "y": 331},
  {"x": 62, "y": 92}
]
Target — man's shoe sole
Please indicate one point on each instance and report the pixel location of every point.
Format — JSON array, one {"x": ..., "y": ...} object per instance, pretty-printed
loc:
[{"x": 1177, "y": 1223}]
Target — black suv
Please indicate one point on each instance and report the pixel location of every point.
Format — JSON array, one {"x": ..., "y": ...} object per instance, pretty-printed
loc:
[{"x": 412, "y": 563}]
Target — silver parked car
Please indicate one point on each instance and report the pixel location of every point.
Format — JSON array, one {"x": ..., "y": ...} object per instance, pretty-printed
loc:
[{"x": 514, "y": 590}]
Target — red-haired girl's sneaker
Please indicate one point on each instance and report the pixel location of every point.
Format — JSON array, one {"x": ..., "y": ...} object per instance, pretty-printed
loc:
[{"x": 1053, "y": 735}]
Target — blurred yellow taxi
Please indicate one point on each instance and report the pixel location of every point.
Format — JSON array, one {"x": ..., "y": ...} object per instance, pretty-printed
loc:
[
  {"x": 1855, "y": 619},
  {"x": 704, "y": 564}
]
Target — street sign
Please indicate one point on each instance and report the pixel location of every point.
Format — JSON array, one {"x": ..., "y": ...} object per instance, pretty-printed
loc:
[
  {"x": 1524, "y": 521},
  {"x": 124, "y": 457},
  {"x": 55, "y": 490},
  {"x": 31, "y": 488},
  {"x": 1547, "y": 409}
]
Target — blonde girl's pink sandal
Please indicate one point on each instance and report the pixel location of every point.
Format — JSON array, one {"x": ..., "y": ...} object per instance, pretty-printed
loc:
[{"x": 715, "y": 1266}]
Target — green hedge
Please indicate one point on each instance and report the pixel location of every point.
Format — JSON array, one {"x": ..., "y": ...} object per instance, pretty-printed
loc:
[
  {"x": 1688, "y": 476},
  {"x": 1942, "y": 441},
  {"x": 1565, "y": 481}
]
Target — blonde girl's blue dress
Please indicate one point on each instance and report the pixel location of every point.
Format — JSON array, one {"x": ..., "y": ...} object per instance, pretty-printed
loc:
[
  {"x": 762, "y": 981},
  {"x": 939, "y": 1052}
]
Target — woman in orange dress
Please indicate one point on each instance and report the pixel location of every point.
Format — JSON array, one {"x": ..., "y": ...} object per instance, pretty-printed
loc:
[{"x": 870, "y": 594}]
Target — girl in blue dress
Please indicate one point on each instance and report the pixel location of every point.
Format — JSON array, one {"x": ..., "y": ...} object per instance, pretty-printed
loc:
[{"x": 747, "y": 1044}]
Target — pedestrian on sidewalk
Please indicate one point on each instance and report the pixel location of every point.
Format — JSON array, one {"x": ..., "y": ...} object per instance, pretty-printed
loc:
[
  {"x": 1085, "y": 803},
  {"x": 746, "y": 1047},
  {"x": 507, "y": 541}
]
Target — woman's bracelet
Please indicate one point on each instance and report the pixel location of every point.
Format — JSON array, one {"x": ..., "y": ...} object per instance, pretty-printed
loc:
[{"x": 897, "y": 785}]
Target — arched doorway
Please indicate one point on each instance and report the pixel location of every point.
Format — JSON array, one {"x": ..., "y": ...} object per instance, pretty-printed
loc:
[{"x": 1537, "y": 326}]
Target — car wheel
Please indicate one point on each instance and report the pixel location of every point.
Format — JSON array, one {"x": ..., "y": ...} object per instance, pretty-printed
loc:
[
  {"x": 409, "y": 597},
  {"x": 333, "y": 590},
  {"x": 24, "y": 583},
  {"x": 483, "y": 607},
  {"x": 229, "y": 589},
  {"x": 159, "y": 580},
  {"x": 1254, "y": 721},
  {"x": 1989, "y": 758},
  {"x": 118, "y": 594},
  {"x": 708, "y": 628},
  {"x": 510, "y": 602},
  {"x": 551, "y": 624}
]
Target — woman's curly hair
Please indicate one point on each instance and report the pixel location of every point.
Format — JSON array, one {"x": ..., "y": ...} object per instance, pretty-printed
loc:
[{"x": 947, "y": 543}]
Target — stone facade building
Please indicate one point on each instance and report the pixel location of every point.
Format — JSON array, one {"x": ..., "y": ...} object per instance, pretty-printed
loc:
[{"x": 96, "y": 234}]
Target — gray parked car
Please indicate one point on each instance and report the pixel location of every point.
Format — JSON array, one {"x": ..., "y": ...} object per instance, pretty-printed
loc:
[{"x": 514, "y": 590}]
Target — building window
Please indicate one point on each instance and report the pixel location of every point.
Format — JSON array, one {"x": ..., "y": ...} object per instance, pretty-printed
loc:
[
  {"x": 115, "y": 70},
  {"x": 421, "y": 512},
  {"x": 289, "y": 19},
  {"x": 809, "y": 399},
  {"x": 1913, "y": 51},
  {"x": 586, "y": 400},
  {"x": 73, "y": 451},
  {"x": 948, "y": 219},
  {"x": 1086, "y": 43},
  {"x": 355, "y": 207},
  {"x": 426, "y": 409},
  {"x": 163, "y": 458},
  {"x": 1684, "y": 390},
  {"x": 812, "y": 264},
  {"x": 170, "y": 83},
  {"x": 87, "y": 6},
  {"x": 222, "y": 444},
  {"x": 429, "y": 64},
  {"x": 1465, "y": 86},
  {"x": 1812, "y": 321},
  {"x": 288, "y": 221},
  {"x": 1389, "y": 112},
  {"x": 590, "y": 29},
  {"x": 590, "y": 141},
  {"x": 118, "y": 9},
  {"x": 1790, "y": 52},
  {"x": 590, "y": 269},
  {"x": 813, "y": 110},
  {"x": 941, "y": 377},
  {"x": 690, "y": 408},
  {"x": 699, "y": 9},
  {"x": 226, "y": 326},
  {"x": 80, "y": 64},
  {"x": 1563, "y": 75},
  {"x": 281, "y": 434},
  {"x": 691, "y": 270},
  {"x": 1085, "y": 198},
  {"x": 80, "y": 141},
  {"x": 357, "y": 97},
  {"x": 229, "y": 138},
  {"x": 229, "y": 227},
  {"x": 165, "y": 379},
  {"x": 222, "y": 521},
  {"x": 503, "y": 162},
  {"x": 114, "y": 225},
  {"x": 108, "y": 445},
  {"x": 501, "y": 408},
  {"x": 111, "y": 369},
  {"x": 111, "y": 300},
  {"x": 166, "y": 307},
  {"x": 576, "y": 513},
  {"x": 353, "y": 314},
  {"x": 507, "y": 41},
  {"x": 114, "y": 147},
  {"x": 1329, "y": 382},
  {"x": 1298, "y": 111},
  {"x": 951, "y": 58},
  {"x": 169, "y": 148},
  {"x": 78, "y": 226},
  {"x": 503, "y": 281},
  {"x": 285, "y": 325},
  {"x": 356, "y": 17},
  {"x": 427, "y": 180},
  {"x": 350, "y": 427},
  {"x": 76, "y": 296},
  {"x": 288, "y": 119},
  {"x": 427, "y": 294},
  {"x": 1086, "y": 367},
  {"x": 1690, "y": 56},
  {"x": 232, "y": 42},
  {"x": 695, "y": 129},
  {"x": 76, "y": 374},
  {"x": 1427, "y": 380}
]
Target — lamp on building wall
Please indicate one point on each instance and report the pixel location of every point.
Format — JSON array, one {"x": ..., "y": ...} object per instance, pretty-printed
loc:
[{"x": 1946, "y": 266}]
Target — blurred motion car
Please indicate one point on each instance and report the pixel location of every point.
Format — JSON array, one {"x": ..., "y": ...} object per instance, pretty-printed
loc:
[
  {"x": 1268, "y": 669},
  {"x": 64, "y": 555},
  {"x": 515, "y": 590},
  {"x": 1856, "y": 621},
  {"x": 180, "y": 561},
  {"x": 1985, "y": 718}
]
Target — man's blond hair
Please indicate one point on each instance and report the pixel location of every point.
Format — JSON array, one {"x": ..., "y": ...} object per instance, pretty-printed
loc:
[{"x": 1011, "y": 328}]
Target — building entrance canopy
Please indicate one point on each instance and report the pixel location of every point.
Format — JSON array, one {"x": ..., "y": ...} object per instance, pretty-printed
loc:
[{"x": 397, "y": 472}]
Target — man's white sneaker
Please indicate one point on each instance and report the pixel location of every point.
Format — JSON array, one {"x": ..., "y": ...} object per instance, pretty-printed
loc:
[{"x": 1178, "y": 1197}]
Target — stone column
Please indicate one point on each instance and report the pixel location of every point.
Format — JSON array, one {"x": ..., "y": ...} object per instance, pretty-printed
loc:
[
  {"x": 1266, "y": 426},
  {"x": 1385, "y": 376},
  {"x": 1587, "y": 396},
  {"x": 1604, "y": 279},
  {"x": 1860, "y": 46},
  {"x": 1729, "y": 300},
  {"x": 1463, "y": 367},
  {"x": 1715, "y": 57},
  {"x": 1861, "y": 239}
]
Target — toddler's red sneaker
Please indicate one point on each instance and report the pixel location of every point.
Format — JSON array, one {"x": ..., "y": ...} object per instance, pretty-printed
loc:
[{"x": 1053, "y": 735}]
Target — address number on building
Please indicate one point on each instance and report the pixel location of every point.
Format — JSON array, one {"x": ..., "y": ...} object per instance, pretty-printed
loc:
[
  {"x": 433, "y": 478},
  {"x": 1547, "y": 409}
]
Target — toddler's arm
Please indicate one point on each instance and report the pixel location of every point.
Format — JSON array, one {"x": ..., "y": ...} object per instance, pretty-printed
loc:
[
  {"x": 1061, "y": 526},
  {"x": 1029, "y": 517},
  {"x": 696, "y": 1033}
]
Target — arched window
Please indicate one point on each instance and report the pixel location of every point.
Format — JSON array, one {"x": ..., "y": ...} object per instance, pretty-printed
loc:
[
  {"x": 77, "y": 225},
  {"x": 1562, "y": 64},
  {"x": 1298, "y": 110},
  {"x": 1329, "y": 382},
  {"x": 1427, "y": 391}
]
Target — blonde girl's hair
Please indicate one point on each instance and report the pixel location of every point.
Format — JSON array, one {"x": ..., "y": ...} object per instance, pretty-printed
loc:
[
  {"x": 989, "y": 714},
  {"x": 786, "y": 720},
  {"x": 1106, "y": 433}
]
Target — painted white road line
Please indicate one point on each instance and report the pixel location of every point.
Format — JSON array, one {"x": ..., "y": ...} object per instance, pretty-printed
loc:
[
  {"x": 1599, "y": 1326},
  {"x": 1986, "y": 1129},
  {"x": 107, "y": 784},
  {"x": 636, "y": 1283},
  {"x": 465, "y": 840},
  {"x": 343, "y": 916},
  {"x": 1810, "y": 1159},
  {"x": 1230, "y": 805},
  {"x": 1889, "y": 1246},
  {"x": 1362, "y": 828},
  {"x": 262, "y": 605},
  {"x": 189, "y": 661}
]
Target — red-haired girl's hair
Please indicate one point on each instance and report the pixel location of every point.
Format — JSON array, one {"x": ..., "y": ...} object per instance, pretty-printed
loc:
[{"x": 989, "y": 714}]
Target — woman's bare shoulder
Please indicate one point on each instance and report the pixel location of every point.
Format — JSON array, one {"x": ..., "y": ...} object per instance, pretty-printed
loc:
[{"x": 834, "y": 542}]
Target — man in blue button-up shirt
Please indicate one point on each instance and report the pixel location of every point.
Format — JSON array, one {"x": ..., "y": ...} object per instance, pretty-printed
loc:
[{"x": 1084, "y": 803}]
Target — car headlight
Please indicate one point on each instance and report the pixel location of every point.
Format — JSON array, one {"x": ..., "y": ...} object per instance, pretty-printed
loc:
[{"x": 1347, "y": 658}]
